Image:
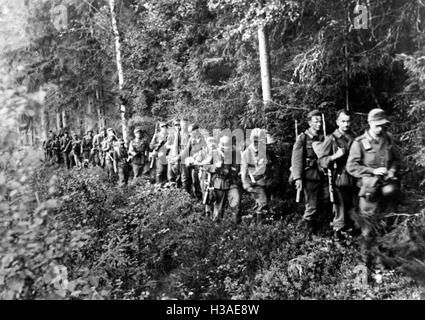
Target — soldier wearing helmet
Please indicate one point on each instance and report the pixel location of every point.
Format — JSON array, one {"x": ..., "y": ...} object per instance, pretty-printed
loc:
[
  {"x": 224, "y": 179},
  {"x": 307, "y": 173},
  {"x": 138, "y": 151},
  {"x": 253, "y": 172},
  {"x": 203, "y": 159},
  {"x": 373, "y": 160},
  {"x": 159, "y": 151}
]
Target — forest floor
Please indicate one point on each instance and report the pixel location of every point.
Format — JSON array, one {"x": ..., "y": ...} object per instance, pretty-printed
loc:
[{"x": 86, "y": 238}]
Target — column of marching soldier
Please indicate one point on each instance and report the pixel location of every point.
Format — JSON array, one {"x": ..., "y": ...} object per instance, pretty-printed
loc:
[{"x": 354, "y": 178}]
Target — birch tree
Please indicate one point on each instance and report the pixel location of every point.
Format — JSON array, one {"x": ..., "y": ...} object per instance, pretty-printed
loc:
[{"x": 119, "y": 65}]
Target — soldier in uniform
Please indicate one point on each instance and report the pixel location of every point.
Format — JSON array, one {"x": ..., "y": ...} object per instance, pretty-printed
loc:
[
  {"x": 333, "y": 156},
  {"x": 56, "y": 150},
  {"x": 138, "y": 152},
  {"x": 373, "y": 160},
  {"x": 174, "y": 147},
  {"x": 76, "y": 150},
  {"x": 253, "y": 172},
  {"x": 108, "y": 151},
  {"x": 203, "y": 159},
  {"x": 120, "y": 156},
  {"x": 66, "y": 146},
  {"x": 194, "y": 145},
  {"x": 86, "y": 147},
  {"x": 159, "y": 151},
  {"x": 272, "y": 169},
  {"x": 97, "y": 147},
  {"x": 225, "y": 181},
  {"x": 307, "y": 174},
  {"x": 47, "y": 146}
]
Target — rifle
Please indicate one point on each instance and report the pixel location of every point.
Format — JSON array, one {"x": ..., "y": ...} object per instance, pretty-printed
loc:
[
  {"x": 298, "y": 196},
  {"x": 209, "y": 188},
  {"x": 330, "y": 178}
]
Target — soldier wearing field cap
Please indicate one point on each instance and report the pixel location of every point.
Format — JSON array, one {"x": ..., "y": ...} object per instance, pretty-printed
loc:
[
  {"x": 373, "y": 160},
  {"x": 138, "y": 153}
]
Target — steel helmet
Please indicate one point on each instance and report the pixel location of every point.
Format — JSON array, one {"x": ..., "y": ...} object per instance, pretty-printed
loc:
[{"x": 225, "y": 143}]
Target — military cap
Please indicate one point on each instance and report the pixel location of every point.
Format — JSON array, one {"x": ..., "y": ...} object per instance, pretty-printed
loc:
[
  {"x": 185, "y": 119},
  {"x": 138, "y": 130},
  {"x": 163, "y": 124},
  {"x": 177, "y": 121},
  {"x": 377, "y": 116}
]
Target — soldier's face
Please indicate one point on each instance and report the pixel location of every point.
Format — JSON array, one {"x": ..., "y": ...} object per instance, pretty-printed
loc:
[
  {"x": 315, "y": 123},
  {"x": 377, "y": 129},
  {"x": 138, "y": 135},
  {"x": 163, "y": 129},
  {"x": 343, "y": 122},
  {"x": 183, "y": 125}
]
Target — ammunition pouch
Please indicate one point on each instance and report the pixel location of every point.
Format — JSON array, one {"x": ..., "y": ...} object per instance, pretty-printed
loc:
[
  {"x": 370, "y": 188},
  {"x": 344, "y": 179}
]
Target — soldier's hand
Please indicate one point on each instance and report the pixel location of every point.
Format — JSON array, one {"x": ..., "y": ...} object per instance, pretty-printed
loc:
[
  {"x": 339, "y": 153},
  {"x": 299, "y": 184},
  {"x": 380, "y": 171}
]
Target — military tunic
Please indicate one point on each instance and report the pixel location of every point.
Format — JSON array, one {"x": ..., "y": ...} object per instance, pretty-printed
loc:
[
  {"x": 345, "y": 195},
  {"x": 304, "y": 164}
]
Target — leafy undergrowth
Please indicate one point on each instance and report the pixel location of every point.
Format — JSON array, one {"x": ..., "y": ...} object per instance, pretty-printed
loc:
[{"x": 88, "y": 239}]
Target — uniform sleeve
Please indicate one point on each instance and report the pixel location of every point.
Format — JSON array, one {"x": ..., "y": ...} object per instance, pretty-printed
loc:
[
  {"x": 355, "y": 165},
  {"x": 326, "y": 152},
  {"x": 297, "y": 158}
]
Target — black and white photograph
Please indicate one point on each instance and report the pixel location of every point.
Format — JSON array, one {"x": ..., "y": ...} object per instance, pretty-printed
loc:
[{"x": 212, "y": 155}]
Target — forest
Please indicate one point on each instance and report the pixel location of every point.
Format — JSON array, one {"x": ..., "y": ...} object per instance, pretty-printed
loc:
[{"x": 121, "y": 64}]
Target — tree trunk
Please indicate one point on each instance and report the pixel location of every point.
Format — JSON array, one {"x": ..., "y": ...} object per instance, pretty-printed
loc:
[
  {"x": 58, "y": 120},
  {"x": 100, "y": 117},
  {"x": 119, "y": 66},
  {"x": 266, "y": 81},
  {"x": 44, "y": 123},
  {"x": 64, "y": 122}
]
